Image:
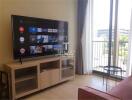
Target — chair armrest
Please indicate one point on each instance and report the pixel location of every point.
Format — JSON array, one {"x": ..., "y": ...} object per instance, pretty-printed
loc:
[{"x": 88, "y": 93}]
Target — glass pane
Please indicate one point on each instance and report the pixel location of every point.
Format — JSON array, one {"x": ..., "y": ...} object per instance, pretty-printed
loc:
[
  {"x": 101, "y": 11},
  {"x": 124, "y": 17}
]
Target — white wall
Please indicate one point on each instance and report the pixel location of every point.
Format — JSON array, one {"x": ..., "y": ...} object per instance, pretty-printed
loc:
[{"x": 51, "y": 9}]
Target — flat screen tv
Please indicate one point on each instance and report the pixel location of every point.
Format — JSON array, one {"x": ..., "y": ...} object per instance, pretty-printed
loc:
[{"x": 33, "y": 37}]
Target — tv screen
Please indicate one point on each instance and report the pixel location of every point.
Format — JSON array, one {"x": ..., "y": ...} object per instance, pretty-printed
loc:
[{"x": 34, "y": 37}]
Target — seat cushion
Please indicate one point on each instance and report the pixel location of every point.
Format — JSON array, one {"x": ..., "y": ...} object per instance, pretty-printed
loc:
[
  {"x": 123, "y": 89},
  {"x": 88, "y": 93}
]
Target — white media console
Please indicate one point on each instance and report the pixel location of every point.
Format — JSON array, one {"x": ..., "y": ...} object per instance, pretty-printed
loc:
[{"x": 32, "y": 76}]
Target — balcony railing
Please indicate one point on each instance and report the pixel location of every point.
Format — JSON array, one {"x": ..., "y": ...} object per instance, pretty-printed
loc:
[{"x": 100, "y": 55}]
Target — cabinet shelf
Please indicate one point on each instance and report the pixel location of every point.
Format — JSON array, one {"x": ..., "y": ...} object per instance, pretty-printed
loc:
[
  {"x": 27, "y": 77},
  {"x": 19, "y": 92},
  {"x": 67, "y": 70},
  {"x": 67, "y": 73},
  {"x": 67, "y": 67},
  {"x": 47, "y": 69},
  {"x": 25, "y": 86},
  {"x": 49, "y": 65}
]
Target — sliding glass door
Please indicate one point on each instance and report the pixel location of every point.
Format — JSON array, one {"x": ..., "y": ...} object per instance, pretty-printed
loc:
[
  {"x": 124, "y": 19},
  {"x": 120, "y": 20},
  {"x": 101, "y": 13}
]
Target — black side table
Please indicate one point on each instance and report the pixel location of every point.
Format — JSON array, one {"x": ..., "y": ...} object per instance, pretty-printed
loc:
[{"x": 111, "y": 71}]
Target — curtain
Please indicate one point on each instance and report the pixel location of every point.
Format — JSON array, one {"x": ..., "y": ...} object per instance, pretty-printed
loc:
[
  {"x": 129, "y": 66},
  {"x": 87, "y": 40},
  {"x": 82, "y": 5}
]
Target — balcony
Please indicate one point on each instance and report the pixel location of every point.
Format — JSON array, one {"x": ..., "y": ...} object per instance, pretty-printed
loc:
[{"x": 100, "y": 56}]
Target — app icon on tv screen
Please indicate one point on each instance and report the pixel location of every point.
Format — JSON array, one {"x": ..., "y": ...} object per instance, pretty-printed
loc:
[
  {"x": 39, "y": 30},
  {"x": 21, "y": 29},
  {"x": 36, "y": 49},
  {"x": 21, "y": 39},
  {"x": 32, "y": 30}
]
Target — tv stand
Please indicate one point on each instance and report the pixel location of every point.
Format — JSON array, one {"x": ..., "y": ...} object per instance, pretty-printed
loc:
[
  {"x": 32, "y": 76},
  {"x": 20, "y": 59}
]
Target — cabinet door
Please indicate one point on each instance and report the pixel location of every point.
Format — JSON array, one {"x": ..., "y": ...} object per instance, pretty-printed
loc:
[
  {"x": 45, "y": 79},
  {"x": 49, "y": 77},
  {"x": 55, "y": 76}
]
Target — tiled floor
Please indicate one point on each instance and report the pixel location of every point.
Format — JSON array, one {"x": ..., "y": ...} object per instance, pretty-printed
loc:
[{"x": 69, "y": 90}]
